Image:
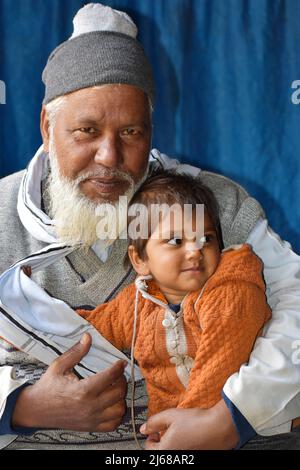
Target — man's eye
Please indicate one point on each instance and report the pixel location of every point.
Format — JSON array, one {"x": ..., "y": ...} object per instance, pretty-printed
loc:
[
  {"x": 84, "y": 133},
  {"x": 130, "y": 131},
  {"x": 175, "y": 241},
  {"x": 87, "y": 130}
]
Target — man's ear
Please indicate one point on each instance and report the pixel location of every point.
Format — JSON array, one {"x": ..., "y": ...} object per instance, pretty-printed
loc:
[
  {"x": 44, "y": 125},
  {"x": 139, "y": 265}
]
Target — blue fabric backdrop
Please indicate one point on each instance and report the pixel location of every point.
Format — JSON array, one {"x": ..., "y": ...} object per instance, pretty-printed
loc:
[{"x": 223, "y": 70}]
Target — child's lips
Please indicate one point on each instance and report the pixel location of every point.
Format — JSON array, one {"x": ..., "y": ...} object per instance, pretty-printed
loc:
[{"x": 192, "y": 269}]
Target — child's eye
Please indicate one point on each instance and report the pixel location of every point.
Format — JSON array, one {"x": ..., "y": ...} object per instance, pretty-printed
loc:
[
  {"x": 207, "y": 238},
  {"x": 175, "y": 241}
]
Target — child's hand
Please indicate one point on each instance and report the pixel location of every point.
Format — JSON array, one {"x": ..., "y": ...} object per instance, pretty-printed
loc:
[
  {"x": 172, "y": 429},
  {"x": 27, "y": 270},
  {"x": 194, "y": 428}
]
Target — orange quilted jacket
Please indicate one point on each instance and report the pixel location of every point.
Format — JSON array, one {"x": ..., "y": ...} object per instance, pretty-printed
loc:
[{"x": 187, "y": 357}]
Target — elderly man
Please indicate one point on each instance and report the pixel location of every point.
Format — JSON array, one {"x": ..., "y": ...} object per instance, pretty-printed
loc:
[{"x": 96, "y": 129}]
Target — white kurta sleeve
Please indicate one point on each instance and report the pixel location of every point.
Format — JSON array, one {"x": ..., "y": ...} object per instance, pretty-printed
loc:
[
  {"x": 8, "y": 385},
  {"x": 267, "y": 390}
]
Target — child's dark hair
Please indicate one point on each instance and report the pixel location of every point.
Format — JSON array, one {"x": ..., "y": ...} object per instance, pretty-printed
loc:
[{"x": 169, "y": 187}]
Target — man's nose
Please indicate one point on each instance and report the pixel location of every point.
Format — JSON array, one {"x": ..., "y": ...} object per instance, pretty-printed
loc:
[{"x": 108, "y": 153}]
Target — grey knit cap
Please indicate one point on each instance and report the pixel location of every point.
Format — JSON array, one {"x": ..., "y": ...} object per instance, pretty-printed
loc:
[{"x": 93, "y": 56}]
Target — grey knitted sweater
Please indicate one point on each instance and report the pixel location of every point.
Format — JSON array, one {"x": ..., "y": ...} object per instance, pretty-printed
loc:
[{"x": 81, "y": 279}]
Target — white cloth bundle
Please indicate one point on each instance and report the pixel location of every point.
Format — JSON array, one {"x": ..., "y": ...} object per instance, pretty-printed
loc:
[{"x": 44, "y": 326}]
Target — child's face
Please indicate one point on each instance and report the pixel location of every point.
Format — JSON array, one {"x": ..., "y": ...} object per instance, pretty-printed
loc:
[{"x": 177, "y": 263}]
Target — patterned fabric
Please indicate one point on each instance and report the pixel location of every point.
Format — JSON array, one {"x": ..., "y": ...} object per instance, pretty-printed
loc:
[
  {"x": 187, "y": 357},
  {"x": 285, "y": 441}
]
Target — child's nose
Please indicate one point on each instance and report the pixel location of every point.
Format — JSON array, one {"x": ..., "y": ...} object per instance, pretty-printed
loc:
[{"x": 193, "y": 250}]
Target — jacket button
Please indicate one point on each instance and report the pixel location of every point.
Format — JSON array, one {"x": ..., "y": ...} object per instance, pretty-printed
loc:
[
  {"x": 174, "y": 360},
  {"x": 166, "y": 323}
]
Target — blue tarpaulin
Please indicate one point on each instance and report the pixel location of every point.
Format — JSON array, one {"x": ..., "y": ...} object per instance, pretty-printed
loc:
[{"x": 224, "y": 71}]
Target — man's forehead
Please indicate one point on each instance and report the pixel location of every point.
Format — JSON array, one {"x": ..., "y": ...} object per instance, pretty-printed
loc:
[{"x": 111, "y": 98}]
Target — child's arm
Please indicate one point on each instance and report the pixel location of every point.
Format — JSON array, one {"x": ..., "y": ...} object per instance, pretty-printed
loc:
[
  {"x": 229, "y": 330},
  {"x": 114, "y": 319}
]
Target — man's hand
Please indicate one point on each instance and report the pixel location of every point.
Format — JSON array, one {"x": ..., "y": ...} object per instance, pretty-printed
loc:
[
  {"x": 60, "y": 400},
  {"x": 27, "y": 270},
  {"x": 193, "y": 428}
]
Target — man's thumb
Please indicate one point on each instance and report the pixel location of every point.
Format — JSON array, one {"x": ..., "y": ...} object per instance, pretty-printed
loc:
[
  {"x": 157, "y": 423},
  {"x": 70, "y": 358}
]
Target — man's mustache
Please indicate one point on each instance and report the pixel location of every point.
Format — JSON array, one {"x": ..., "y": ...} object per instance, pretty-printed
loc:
[{"x": 104, "y": 173}]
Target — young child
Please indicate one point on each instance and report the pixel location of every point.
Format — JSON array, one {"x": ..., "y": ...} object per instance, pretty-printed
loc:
[{"x": 198, "y": 316}]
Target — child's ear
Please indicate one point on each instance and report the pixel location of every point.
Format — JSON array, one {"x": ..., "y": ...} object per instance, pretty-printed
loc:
[{"x": 139, "y": 265}]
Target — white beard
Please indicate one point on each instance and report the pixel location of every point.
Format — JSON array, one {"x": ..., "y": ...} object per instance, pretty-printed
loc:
[{"x": 74, "y": 214}]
